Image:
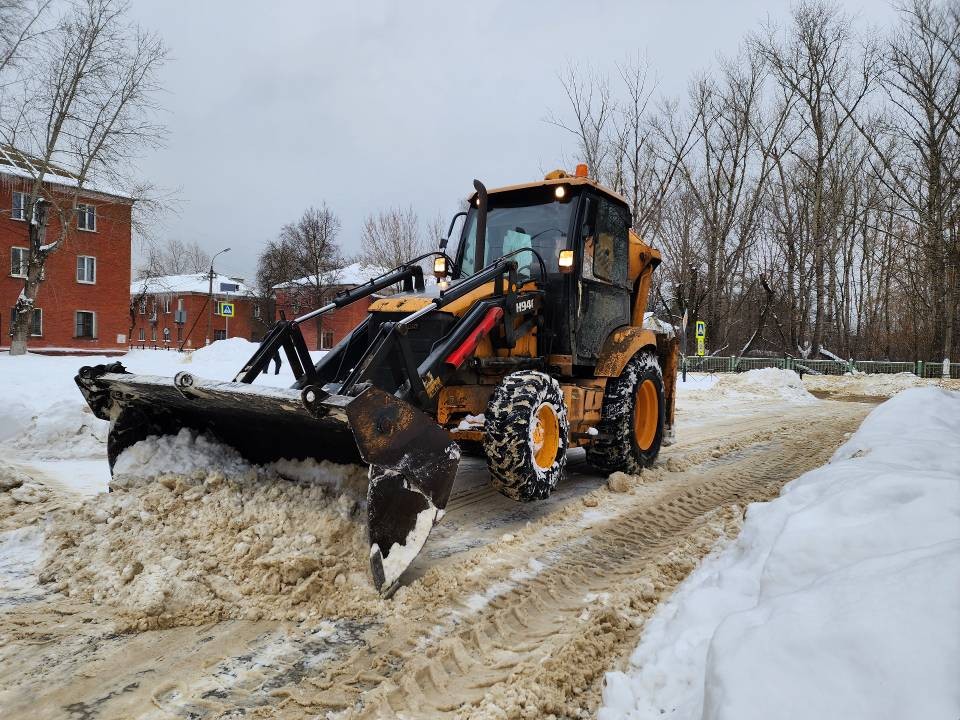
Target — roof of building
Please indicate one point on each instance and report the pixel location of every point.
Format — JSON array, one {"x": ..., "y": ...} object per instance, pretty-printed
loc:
[
  {"x": 19, "y": 164},
  {"x": 354, "y": 274},
  {"x": 198, "y": 283}
]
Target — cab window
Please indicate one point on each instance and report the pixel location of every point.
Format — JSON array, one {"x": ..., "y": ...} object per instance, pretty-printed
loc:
[{"x": 605, "y": 242}]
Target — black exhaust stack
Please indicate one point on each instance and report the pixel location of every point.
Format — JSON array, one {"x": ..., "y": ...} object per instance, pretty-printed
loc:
[{"x": 481, "y": 249}]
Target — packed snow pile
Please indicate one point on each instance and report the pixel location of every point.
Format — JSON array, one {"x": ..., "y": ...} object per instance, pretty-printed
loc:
[
  {"x": 46, "y": 418},
  {"x": 696, "y": 381},
  {"x": 839, "y": 599},
  {"x": 761, "y": 385},
  {"x": 192, "y": 533},
  {"x": 878, "y": 385}
]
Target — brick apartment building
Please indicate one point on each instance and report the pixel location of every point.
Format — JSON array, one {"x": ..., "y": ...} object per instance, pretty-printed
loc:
[
  {"x": 82, "y": 305},
  {"x": 174, "y": 311},
  {"x": 300, "y": 296}
]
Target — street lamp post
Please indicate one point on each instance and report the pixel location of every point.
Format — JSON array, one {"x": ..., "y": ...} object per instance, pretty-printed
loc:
[{"x": 210, "y": 296}]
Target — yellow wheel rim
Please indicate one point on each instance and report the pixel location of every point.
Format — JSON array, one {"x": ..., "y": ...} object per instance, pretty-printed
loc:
[
  {"x": 545, "y": 436},
  {"x": 645, "y": 414}
]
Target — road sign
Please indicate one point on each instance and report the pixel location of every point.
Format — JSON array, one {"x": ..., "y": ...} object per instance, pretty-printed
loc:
[
  {"x": 226, "y": 309},
  {"x": 701, "y": 329},
  {"x": 701, "y": 349}
]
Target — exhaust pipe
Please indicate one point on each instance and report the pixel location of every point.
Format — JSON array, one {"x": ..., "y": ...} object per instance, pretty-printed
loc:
[{"x": 481, "y": 248}]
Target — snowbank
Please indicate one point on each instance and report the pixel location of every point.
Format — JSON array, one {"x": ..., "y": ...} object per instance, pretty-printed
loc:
[
  {"x": 696, "y": 381},
  {"x": 840, "y": 599},
  {"x": 760, "y": 385},
  {"x": 878, "y": 385},
  {"x": 192, "y": 533},
  {"x": 45, "y": 416}
]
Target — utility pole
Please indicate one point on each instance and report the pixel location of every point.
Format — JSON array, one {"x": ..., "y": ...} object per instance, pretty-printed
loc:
[{"x": 210, "y": 296}]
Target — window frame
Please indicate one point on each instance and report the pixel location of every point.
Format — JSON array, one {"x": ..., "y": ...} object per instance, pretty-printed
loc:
[
  {"x": 37, "y": 312},
  {"x": 87, "y": 257},
  {"x": 93, "y": 325},
  {"x": 143, "y": 335},
  {"x": 166, "y": 305},
  {"x": 24, "y": 263},
  {"x": 22, "y": 217},
  {"x": 324, "y": 345},
  {"x": 85, "y": 214}
]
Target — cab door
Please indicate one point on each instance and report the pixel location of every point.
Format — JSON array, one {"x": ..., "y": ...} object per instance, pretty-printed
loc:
[{"x": 603, "y": 292}]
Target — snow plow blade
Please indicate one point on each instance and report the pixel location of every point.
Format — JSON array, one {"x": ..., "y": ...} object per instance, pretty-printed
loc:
[{"x": 412, "y": 460}]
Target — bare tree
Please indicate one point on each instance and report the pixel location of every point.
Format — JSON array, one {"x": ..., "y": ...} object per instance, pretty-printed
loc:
[
  {"x": 174, "y": 257},
  {"x": 20, "y": 25},
  {"x": 306, "y": 257},
  {"x": 391, "y": 237},
  {"x": 276, "y": 265},
  {"x": 917, "y": 142},
  {"x": 593, "y": 106},
  {"x": 85, "y": 100},
  {"x": 814, "y": 61}
]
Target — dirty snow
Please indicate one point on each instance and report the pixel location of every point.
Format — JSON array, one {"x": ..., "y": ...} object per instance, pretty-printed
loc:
[
  {"x": 863, "y": 385},
  {"x": 192, "y": 533},
  {"x": 839, "y": 599}
]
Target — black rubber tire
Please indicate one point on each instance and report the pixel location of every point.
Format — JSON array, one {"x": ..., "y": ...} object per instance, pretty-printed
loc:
[
  {"x": 615, "y": 448},
  {"x": 508, "y": 444}
]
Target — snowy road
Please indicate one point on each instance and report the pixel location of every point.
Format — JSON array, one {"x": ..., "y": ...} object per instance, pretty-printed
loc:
[{"x": 510, "y": 609}]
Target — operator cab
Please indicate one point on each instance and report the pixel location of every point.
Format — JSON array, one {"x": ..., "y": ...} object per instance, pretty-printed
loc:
[{"x": 580, "y": 231}]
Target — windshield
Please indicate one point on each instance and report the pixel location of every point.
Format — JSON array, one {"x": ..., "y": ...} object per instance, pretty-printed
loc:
[{"x": 542, "y": 227}]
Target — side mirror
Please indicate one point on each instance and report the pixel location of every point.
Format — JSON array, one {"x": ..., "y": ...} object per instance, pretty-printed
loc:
[
  {"x": 565, "y": 261},
  {"x": 440, "y": 269}
]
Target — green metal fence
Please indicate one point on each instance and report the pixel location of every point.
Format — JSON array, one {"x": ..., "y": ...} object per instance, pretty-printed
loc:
[{"x": 719, "y": 364}]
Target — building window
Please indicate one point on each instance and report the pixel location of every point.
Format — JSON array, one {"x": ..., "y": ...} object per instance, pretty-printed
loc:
[
  {"x": 36, "y": 324},
  {"x": 86, "y": 269},
  {"x": 166, "y": 306},
  {"x": 86, "y": 324},
  {"x": 19, "y": 209},
  {"x": 179, "y": 333},
  {"x": 256, "y": 311},
  {"x": 219, "y": 334},
  {"x": 143, "y": 335},
  {"x": 326, "y": 340},
  {"x": 87, "y": 217},
  {"x": 18, "y": 262},
  {"x": 153, "y": 333},
  {"x": 143, "y": 306}
]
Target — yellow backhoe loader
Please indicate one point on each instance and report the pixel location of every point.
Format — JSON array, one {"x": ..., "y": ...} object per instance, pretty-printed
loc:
[{"x": 530, "y": 343}]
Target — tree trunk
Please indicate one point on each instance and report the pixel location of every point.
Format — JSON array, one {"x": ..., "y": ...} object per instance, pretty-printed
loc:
[{"x": 23, "y": 308}]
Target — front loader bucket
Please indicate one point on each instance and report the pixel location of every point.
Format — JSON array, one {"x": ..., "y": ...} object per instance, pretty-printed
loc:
[{"x": 412, "y": 460}]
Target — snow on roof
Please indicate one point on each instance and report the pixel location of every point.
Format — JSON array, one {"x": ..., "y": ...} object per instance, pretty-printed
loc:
[
  {"x": 354, "y": 274},
  {"x": 18, "y": 164},
  {"x": 194, "y": 283}
]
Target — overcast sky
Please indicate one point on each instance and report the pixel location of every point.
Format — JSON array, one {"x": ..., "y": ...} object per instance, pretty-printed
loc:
[{"x": 272, "y": 107}]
